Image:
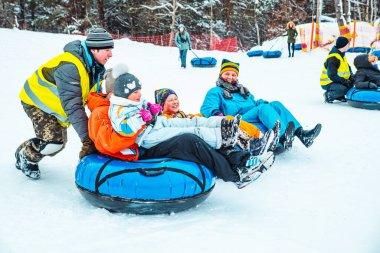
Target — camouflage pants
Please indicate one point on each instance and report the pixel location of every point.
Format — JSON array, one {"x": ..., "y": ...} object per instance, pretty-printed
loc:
[{"x": 47, "y": 130}]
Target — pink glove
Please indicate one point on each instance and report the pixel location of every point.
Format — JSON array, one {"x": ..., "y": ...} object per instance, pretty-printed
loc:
[
  {"x": 220, "y": 114},
  {"x": 145, "y": 115},
  {"x": 154, "y": 108}
]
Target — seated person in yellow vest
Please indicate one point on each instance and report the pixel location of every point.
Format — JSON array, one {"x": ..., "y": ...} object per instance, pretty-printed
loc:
[
  {"x": 337, "y": 78},
  {"x": 250, "y": 137},
  {"x": 55, "y": 95}
]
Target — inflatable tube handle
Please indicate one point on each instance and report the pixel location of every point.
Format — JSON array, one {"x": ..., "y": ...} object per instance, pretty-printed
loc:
[{"x": 152, "y": 173}]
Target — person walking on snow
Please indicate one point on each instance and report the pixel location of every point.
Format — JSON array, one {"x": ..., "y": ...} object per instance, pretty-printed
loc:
[
  {"x": 336, "y": 77},
  {"x": 182, "y": 41},
  {"x": 55, "y": 95}
]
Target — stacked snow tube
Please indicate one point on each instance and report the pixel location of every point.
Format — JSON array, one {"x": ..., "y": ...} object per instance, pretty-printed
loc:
[
  {"x": 152, "y": 186},
  {"x": 255, "y": 53},
  {"x": 365, "y": 99},
  {"x": 359, "y": 50},
  {"x": 272, "y": 54},
  {"x": 204, "y": 62}
]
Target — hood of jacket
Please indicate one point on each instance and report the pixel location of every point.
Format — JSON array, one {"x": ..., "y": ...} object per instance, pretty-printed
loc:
[
  {"x": 75, "y": 47},
  {"x": 361, "y": 61}
]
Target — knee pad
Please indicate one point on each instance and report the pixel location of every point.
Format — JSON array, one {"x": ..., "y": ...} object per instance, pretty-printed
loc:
[{"x": 50, "y": 147}]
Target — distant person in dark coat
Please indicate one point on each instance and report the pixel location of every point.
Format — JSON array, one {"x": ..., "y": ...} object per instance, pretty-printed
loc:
[
  {"x": 368, "y": 74},
  {"x": 292, "y": 34}
]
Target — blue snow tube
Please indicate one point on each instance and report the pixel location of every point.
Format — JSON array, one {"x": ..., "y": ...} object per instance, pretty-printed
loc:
[
  {"x": 359, "y": 50},
  {"x": 272, "y": 54},
  {"x": 204, "y": 62},
  {"x": 151, "y": 186},
  {"x": 254, "y": 53},
  {"x": 365, "y": 99},
  {"x": 298, "y": 46},
  {"x": 376, "y": 52}
]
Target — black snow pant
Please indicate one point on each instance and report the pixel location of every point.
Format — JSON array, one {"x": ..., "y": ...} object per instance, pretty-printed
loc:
[
  {"x": 190, "y": 147},
  {"x": 336, "y": 91},
  {"x": 290, "y": 44}
]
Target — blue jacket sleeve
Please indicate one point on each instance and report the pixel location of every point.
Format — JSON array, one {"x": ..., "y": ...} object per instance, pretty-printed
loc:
[{"x": 212, "y": 104}]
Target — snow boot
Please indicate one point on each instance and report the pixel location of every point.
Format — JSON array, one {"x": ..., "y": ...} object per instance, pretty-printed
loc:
[
  {"x": 276, "y": 130},
  {"x": 261, "y": 145},
  {"x": 230, "y": 131},
  {"x": 327, "y": 98},
  {"x": 288, "y": 137},
  {"x": 307, "y": 136},
  {"x": 29, "y": 168},
  {"x": 243, "y": 140},
  {"x": 254, "y": 167}
]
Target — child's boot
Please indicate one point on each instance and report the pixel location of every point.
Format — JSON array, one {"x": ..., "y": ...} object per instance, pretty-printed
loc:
[
  {"x": 230, "y": 131},
  {"x": 254, "y": 167}
]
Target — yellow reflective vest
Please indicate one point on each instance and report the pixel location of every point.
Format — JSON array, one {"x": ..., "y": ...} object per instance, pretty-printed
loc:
[
  {"x": 343, "y": 70},
  {"x": 41, "y": 93}
]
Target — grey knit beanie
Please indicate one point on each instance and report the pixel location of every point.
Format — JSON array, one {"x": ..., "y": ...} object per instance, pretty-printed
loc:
[
  {"x": 99, "y": 38},
  {"x": 125, "y": 83}
]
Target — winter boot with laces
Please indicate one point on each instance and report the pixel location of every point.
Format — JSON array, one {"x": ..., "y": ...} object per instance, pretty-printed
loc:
[
  {"x": 307, "y": 136},
  {"x": 29, "y": 168},
  {"x": 254, "y": 167},
  {"x": 230, "y": 131}
]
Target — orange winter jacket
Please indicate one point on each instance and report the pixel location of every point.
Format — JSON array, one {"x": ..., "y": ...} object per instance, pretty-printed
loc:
[
  {"x": 252, "y": 130},
  {"x": 106, "y": 140}
]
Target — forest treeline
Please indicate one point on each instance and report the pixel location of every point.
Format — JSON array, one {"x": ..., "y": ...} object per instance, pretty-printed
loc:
[{"x": 251, "y": 21}]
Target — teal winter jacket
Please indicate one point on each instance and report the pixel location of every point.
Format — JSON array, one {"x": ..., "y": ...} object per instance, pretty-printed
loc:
[{"x": 182, "y": 40}]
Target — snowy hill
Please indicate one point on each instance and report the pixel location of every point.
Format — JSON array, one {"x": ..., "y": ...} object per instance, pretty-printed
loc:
[{"x": 324, "y": 199}]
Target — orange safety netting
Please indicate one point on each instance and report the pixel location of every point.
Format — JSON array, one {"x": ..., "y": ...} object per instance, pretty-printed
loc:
[
  {"x": 323, "y": 35},
  {"x": 201, "y": 42}
]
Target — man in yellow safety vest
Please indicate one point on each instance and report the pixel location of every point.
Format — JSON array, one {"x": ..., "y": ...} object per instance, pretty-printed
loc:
[
  {"x": 54, "y": 96},
  {"x": 337, "y": 78}
]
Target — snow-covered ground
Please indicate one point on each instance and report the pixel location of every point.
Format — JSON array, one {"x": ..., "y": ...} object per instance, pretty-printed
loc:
[{"x": 318, "y": 200}]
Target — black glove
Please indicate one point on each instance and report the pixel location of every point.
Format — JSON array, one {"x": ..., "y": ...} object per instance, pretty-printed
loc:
[
  {"x": 352, "y": 78},
  {"x": 372, "y": 85},
  {"x": 88, "y": 147},
  {"x": 348, "y": 84},
  {"x": 190, "y": 48}
]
